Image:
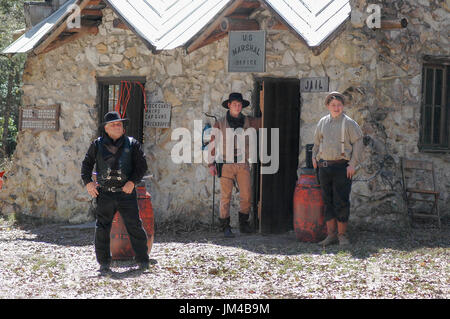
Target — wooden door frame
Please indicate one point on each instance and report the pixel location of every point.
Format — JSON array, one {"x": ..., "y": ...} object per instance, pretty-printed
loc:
[{"x": 258, "y": 103}]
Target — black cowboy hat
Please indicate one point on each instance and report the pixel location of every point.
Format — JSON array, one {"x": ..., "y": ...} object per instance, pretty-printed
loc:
[
  {"x": 235, "y": 97},
  {"x": 112, "y": 117}
]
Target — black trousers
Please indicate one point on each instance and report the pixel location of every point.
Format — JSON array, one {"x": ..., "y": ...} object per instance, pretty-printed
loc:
[
  {"x": 336, "y": 189},
  {"x": 107, "y": 204}
]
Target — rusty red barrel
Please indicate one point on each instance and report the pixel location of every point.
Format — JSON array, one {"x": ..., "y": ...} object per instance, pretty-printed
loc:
[
  {"x": 309, "y": 223},
  {"x": 120, "y": 242},
  {"x": 1, "y": 179}
]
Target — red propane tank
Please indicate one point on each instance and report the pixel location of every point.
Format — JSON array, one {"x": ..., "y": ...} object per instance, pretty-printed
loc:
[
  {"x": 120, "y": 243},
  {"x": 309, "y": 223}
]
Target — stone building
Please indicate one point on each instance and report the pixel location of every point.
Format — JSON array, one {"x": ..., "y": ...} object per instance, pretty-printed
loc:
[{"x": 388, "y": 57}]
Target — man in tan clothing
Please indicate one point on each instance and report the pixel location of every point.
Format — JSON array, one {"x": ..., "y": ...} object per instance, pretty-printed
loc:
[
  {"x": 233, "y": 165},
  {"x": 337, "y": 152}
]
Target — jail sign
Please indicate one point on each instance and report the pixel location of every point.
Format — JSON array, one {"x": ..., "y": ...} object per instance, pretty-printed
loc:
[
  {"x": 44, "y": 118},
  {"x": 316, "y": 84},
  {"x": 158, "y": 115},
  {"x": 247, "y": 51}
]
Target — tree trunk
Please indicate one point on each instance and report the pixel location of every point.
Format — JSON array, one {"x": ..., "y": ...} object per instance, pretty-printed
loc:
[{"x": 7, "y": 114}]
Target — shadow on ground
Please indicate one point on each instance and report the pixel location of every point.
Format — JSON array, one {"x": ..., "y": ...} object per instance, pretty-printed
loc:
[{"x": 366, "y": 240}]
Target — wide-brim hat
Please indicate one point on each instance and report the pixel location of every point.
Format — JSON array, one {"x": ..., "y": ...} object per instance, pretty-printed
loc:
[
  {"x": 111, "y": 117},
  {"x": 334, "y": 94},
  {"x": 235, "y": 97}
]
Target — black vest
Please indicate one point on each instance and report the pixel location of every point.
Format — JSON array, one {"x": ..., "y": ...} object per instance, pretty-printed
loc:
[{"x": 109, "y": 177}]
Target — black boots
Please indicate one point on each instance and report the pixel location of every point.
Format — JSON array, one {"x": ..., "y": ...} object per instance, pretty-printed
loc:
[
  {"x": 244, "y": 225},
  {"x": 225, "y": 227}
]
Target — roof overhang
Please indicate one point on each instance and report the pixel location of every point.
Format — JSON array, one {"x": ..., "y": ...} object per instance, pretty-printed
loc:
[
  {"x": 165, "y": 25},
  {"x": 312, "y": 21},
  {"x": 42, "y": 34}
]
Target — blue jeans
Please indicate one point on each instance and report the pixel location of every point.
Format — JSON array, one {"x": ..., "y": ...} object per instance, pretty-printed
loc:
[{"x": 107, "y": 205}]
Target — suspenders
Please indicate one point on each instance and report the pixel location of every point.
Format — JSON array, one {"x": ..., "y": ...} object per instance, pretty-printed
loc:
[{"x": 342, "y": 135}]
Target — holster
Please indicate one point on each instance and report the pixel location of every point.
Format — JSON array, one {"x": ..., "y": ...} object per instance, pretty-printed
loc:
[{"x": 219, "y": 169}]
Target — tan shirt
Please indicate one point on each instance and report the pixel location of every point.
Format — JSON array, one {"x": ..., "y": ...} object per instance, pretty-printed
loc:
[
  {"x": 222, "y": 125},
  {"x": 327, "y": 140}
]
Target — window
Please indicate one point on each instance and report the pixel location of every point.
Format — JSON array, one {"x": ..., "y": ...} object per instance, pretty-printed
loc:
[
  {"x": 434, "y": 134},
  {"x": 127, "y": 96}
]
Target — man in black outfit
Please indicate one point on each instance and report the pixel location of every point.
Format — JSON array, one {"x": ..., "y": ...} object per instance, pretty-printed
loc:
[{"x": 120, "y": 165}]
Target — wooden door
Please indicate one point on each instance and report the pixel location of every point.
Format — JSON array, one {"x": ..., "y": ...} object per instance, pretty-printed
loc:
[{"x": 279, "y": 101}]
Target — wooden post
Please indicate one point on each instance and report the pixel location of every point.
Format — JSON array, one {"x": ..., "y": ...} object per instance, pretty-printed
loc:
[
  {"x": 261, "y": 107},
  {"x": 393, "y": 24},
  {"x": 232, "y": 24}
]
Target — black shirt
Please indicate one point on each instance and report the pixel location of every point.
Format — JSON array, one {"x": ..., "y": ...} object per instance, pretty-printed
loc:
[{"x": 137, "y": 157}]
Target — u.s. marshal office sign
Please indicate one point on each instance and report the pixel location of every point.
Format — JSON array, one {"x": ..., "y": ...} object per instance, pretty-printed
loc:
[{"x": 247, "y": 51}]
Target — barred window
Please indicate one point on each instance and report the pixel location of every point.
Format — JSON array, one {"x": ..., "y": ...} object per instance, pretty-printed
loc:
[
  {"x": 127, "y": 96},
  {"x": 434, "y": 134}
]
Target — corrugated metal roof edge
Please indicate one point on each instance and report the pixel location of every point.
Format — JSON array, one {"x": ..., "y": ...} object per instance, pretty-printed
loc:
[
  {"x": 317, "y": 49},
  {"x": 152, "y": 46},
  {"x": 326, "y": 41},
  {"x": 208, "y": 24},
  {"x": 149, "y": 45},
  {"x": 39, "y": 25}
]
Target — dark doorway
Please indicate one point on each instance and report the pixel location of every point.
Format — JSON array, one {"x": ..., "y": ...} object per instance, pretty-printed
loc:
[
  {"x": 279, "y": 99},
  {"x": 127, "y": 96}
]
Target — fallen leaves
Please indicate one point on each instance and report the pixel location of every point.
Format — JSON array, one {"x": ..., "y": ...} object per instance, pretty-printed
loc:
[{"x": 47, "y": 262}]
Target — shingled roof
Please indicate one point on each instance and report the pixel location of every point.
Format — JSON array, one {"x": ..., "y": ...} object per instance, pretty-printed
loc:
[{"x": 168, "y": 24}]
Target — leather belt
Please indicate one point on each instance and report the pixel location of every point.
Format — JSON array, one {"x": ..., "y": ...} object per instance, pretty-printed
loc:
[
  {"x": 323, "y": 163},
  {"x": 111, "y": 189}
]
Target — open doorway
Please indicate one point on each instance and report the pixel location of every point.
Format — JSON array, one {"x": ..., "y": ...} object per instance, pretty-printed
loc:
[
  {"x": 279, "y": 101},
  {"x": 127, "y": 96}
]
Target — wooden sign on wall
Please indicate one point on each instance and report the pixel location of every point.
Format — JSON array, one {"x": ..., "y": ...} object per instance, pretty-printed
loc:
[
  {"x": 44, "y": 118},
  {"x": 316, "y": 84}
]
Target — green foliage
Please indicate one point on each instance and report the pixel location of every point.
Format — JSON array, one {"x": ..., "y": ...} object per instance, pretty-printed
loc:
[
  {"x": 11, "y": 69},
  {"x": 12, "y": 133}
]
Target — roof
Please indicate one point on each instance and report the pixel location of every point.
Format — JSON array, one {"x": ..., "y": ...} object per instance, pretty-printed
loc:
[
  {"x": 167, "y": 24},
  {"x": 32, "y": 38},
  {"x": 313, "y": 20}
]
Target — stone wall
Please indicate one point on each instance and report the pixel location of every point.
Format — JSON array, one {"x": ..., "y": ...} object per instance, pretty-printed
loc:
[{"x": 379, "y": 71}]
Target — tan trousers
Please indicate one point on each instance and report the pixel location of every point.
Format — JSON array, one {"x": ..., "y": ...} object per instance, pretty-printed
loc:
[{"x": 240, "y": 172}]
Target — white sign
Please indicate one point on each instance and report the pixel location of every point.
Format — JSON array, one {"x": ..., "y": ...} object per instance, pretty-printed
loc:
[{"x": 158, "y": 115}]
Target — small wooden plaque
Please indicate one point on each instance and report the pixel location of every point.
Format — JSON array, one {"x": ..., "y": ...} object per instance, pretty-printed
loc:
[{"x": 39, "y": 118}]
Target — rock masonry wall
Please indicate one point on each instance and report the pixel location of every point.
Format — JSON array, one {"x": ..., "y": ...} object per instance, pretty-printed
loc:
[{"x": 379, "y": 70}]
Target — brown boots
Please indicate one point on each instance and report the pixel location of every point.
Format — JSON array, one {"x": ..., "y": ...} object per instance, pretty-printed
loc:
[
  {"x": 342, "y": 234},
  {"x": 331, "y": 231},
  {"x": 336, "y": 236}
]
